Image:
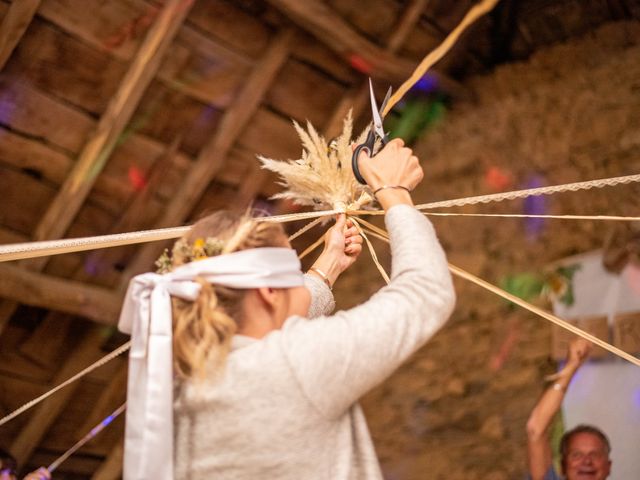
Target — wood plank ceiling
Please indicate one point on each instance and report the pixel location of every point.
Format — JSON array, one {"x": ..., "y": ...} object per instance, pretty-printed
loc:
[{"x": 135, "y": 114}]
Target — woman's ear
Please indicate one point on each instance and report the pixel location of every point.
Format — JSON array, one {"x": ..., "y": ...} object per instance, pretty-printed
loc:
[{"x": 269, "y": 297}]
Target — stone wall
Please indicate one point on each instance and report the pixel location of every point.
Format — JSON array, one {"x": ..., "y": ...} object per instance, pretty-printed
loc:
[{"x": 458, "y": 408}]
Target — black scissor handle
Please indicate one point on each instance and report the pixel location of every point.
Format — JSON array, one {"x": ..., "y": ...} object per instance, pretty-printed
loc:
[
  {"x": 366, "y": 146},
  {"x": 354, "y": 162}
]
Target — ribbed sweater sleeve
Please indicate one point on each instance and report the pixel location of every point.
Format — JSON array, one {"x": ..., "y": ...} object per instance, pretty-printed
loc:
[
  {"x": 338, "y": 359},
  {"x": 322, "y": 302}
]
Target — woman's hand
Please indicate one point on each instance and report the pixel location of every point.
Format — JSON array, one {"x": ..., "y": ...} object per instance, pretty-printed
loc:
[
  {"x": 394, "y": 166},
  {"x": 40, "y": 474},
  {"x": 342, "y": 245}
]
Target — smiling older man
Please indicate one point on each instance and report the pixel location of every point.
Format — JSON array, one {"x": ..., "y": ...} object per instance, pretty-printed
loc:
[
  {"x": 584, "y": 450},
  {"x": 585, "y": 454}
]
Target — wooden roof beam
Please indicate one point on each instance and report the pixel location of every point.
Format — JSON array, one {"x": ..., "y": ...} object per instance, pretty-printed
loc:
[
  {"x": 111, "y": 468},
  {"x": 101, "y": 143},
  {"x": 43, "y": 415},
  {"x": 113, "y": 395},
  {"x": 213, "y": 155},
  {"x": 91, "y": 161},
  {"x": 328, "y": 27},
  {"x": 6, "y": 310},
  {"x": 110, "y": 398},
  {"x": 40, "y": 290},
  {"x": 14, "y": 25},
  {"x": 256, "y": 177},
  {"x": 408, "y": 21},
  {"x": 357, "y": 98}
]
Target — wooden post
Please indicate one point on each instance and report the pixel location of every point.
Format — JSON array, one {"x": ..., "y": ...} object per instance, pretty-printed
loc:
[{"x": 14, "y": 24}]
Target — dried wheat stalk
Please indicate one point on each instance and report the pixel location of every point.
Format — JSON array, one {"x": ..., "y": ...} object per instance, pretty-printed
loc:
[{"x": 323, "y": 177}]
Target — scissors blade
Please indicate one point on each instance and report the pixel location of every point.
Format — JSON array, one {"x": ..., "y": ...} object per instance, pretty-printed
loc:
[
  {"x": 384, "y": 102},
  {"x": 377, "y": 120}
]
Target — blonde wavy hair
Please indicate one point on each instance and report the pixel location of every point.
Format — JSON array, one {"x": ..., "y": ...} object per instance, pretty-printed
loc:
[{"x": 202, "y": 329}]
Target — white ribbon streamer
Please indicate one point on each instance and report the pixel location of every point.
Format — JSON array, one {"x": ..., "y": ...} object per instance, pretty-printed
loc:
[{"x": 146, "y": 315}]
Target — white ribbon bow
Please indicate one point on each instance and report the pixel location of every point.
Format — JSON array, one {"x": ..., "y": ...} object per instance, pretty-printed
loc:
[{"x": 146, "y": 315}]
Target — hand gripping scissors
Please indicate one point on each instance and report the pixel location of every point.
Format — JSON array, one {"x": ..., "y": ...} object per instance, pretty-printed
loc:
[{"x": 375, "y": 132}]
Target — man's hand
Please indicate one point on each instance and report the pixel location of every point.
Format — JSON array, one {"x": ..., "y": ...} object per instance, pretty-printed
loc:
[
  {"x": 40, "y": 474},
  {"x": 579, "y": 350}
]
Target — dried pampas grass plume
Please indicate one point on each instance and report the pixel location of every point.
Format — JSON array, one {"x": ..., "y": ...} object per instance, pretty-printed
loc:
[{"x": 323, "y": 177}]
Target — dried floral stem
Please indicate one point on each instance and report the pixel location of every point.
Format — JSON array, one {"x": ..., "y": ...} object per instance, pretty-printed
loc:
[
  {"x": 312, "y": 247},
  {"x": 372, "y": 251}
]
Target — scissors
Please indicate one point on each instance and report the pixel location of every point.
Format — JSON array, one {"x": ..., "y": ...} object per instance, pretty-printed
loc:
[{"x": 375, "y": 132}]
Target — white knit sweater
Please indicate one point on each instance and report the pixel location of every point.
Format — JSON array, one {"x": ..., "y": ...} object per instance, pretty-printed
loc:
[{"x": 286, "y": 405}]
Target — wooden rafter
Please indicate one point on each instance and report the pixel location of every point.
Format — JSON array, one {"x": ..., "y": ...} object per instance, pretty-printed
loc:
[
  {"x": 357, "y": 98},
  {"x": 55, "y": 322},
  {"x": 208, "y": 90},
  {"x": 111, "y": 468},
  {"x": 110, "y": 397},
  {"x": 209, "y": 162},
  {"x": 212, "y": 156},
  {"x": 328, "y": 27},
  {"x": 6, "y": 310},
  {"x": 47, "y": 339},
  {"x": 114, "y": 393},
  {"x": 247, "y": 192},
  {"x": 408, "y": 21},
  {"x": 14, "y": 24},
  {"x": 40, "y": 290},
  {"x": 45, "y": 414},
  {"x": 101, "y": 143},
  {"x": 134, "y": 217}
]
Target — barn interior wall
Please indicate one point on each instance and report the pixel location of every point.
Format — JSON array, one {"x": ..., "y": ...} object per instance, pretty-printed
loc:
[{"x": 458, "y": 408}]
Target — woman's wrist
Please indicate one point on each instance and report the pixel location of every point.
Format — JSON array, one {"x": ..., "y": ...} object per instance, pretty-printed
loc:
[
  {"x": 570, "y": 368},
  {"x": 323, "y": 276},
  {"x": 389, "y": 197},
  {"x": 327, "y": 269},
  {"x": 386, "y": 187}
]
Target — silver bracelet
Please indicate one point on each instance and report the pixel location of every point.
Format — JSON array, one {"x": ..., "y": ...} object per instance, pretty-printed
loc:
[
  {"x": 384, "y": 187},
  {"x": 322, "y": 275},
  {"x": 559, "y": 387}
]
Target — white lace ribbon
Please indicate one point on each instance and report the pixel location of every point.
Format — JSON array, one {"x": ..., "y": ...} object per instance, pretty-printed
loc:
[{"x": 146, "y": 315}]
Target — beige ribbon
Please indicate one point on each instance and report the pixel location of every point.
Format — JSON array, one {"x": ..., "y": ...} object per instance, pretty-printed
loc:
[{"x": 459, "y": 272}]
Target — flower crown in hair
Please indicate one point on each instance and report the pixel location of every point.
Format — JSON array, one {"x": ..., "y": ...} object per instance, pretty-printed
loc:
[{"x": 200, "y": 249}]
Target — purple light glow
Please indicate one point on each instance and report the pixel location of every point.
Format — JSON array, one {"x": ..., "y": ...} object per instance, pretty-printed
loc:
[
  {"x": 535, "y": 205},
  {"x": 93, "y": 265},
  {"x": 263, "y": 208},
  {"x": 7, "y": 106},
  {"x": 107, "y": 420},
  {"x": 427, "y": 84},
  {"x": 205, "y": 116}
]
